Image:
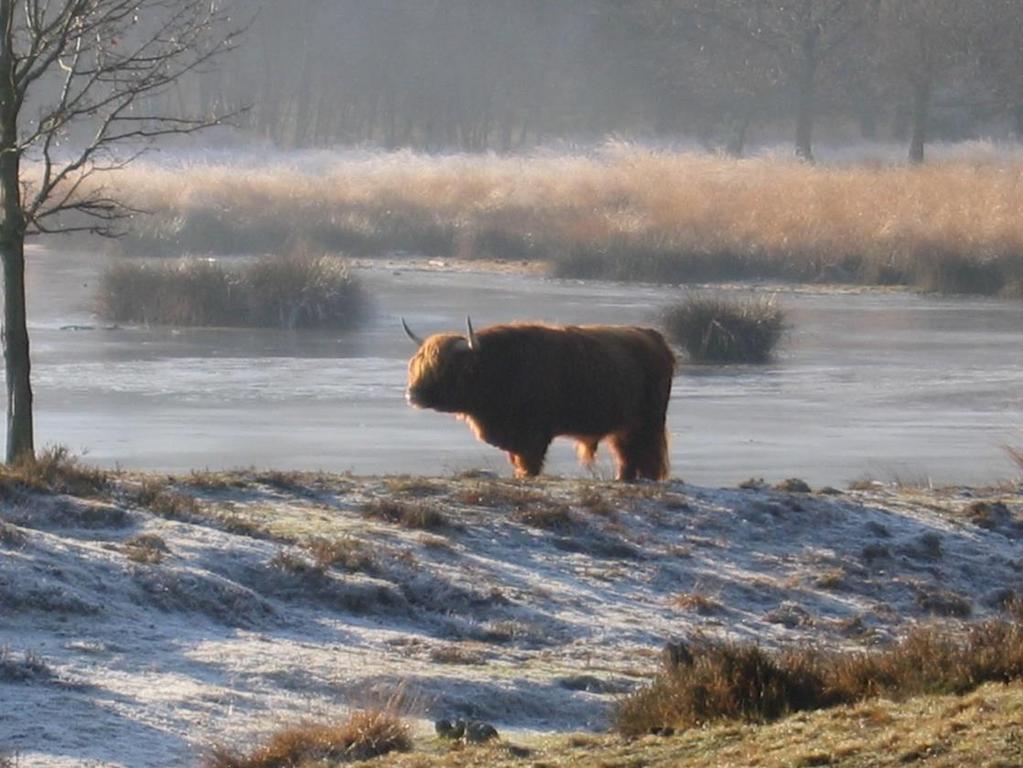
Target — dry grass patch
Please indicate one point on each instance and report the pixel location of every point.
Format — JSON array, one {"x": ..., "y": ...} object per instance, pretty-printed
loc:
[
  {"x": 695, "y": 602},
  {"x": 497, "y": 494},
  {"x": 10, "y": 535},
  {"x": 596, "y": 503},
  {"x": 944, "y": 602},
  {"x": 832, "y": 578},
  {"x": 457, "y": 654},
  {"x": 214, "y": 481},
  {"x": 733, "y": 681},
  {"x": 987, "y": 514},
  {"x": 407, "y": 514},
  {"x": 29, "y": 667},
  {"x": 413, "y": 486},
  {"x": 157, "y": 496},
  {"x": 364, "y": 735},
  {"x": 146, "y": 548},
  {"x": 548, "y": 516},
  {"x": 295, "y": 563},
  {"x": 721, "y": 330},
  {"x": 54, "y": 470},
  {"x": 345, "y": 552},
  {"x": 299, "y": 290}
]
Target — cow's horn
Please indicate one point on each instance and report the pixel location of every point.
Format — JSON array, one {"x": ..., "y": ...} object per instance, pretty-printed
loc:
[
  {"x": 408, "y": 332},
  {"x": 474, "y": 343}
]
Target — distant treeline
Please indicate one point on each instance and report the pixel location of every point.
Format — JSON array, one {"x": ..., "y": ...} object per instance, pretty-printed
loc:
[{"x": 495, "y": 74}]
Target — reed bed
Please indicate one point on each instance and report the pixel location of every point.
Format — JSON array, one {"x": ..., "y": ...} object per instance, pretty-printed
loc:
[{"x": 623, "y": 213}]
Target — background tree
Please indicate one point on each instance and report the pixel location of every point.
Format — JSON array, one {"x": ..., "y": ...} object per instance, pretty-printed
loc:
[
  {"x": 928, "y": 44},
  {"x": 798, "y": 36},
  {"x": 80, "y": 83}
]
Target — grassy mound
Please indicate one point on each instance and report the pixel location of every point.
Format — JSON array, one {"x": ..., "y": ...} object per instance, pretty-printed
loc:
[
  {"x": 718, "y": 330},
  {"x": 732, "y": 681},
  {"x": 300, "y": 290}
]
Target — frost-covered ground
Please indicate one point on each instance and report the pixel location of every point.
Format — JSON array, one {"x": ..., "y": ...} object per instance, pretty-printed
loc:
[{"x": 142, "y": 627}]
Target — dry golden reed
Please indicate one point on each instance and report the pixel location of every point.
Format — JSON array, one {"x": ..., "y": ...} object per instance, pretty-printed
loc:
[{"x": 622, "y": 212}]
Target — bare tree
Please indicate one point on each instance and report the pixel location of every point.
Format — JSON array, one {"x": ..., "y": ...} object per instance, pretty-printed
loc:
[{"x": 80, "y": 81}]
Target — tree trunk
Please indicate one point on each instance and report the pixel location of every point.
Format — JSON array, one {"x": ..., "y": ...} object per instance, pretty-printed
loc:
[
  {"x": 20, "y": 440},
  {"x": 737, "y": 129},
  {"x": 921, "y": 109},
  {"x": 20, "y": 432},
  {"x": 807, "y": 84},
  {"x": 805, "y": 111}
]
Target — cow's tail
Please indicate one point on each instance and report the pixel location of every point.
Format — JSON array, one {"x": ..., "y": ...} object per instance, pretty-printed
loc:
[{"x": 663, "y": 463}]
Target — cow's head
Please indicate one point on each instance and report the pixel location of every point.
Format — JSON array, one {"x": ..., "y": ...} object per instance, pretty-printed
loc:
[{"x": 441, "y": 374}]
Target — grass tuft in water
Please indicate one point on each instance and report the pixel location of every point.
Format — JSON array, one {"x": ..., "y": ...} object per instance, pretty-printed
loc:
[
  {"x": 299, "y": 290},
  {"x": 719, "y": 330}
]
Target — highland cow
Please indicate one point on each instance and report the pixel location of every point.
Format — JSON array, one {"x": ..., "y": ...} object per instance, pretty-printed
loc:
[{"x": 521, "y": 385}]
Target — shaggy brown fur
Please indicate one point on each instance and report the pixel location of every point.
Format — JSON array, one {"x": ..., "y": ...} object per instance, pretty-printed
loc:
[{"x": 526, "y": 384}]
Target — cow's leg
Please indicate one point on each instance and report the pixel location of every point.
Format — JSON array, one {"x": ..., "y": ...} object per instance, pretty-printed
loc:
[
  {"x": 528, "y": 460},
  {"x": 622, "y": 452},
  {"x": 586, "y": 449},
  {"x": 641, "y": 453}
]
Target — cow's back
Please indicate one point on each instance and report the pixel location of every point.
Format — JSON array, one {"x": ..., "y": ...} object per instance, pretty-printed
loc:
[{"x": 576, "y": 379}]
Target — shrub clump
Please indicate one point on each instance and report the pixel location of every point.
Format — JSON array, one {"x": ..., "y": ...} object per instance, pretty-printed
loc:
[
  {"x": 718, "y": 330},
  {"x": 299, "y": 290},
  {"x": 362, "y": 736},
  {"x": 741, "y": 681}
]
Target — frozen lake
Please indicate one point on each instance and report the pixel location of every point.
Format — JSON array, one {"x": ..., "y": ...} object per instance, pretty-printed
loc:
[{"x": 885, "y": 385}]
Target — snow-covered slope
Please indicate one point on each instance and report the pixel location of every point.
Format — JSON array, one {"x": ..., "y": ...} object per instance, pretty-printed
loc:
[{"x": 142, "y": 627}]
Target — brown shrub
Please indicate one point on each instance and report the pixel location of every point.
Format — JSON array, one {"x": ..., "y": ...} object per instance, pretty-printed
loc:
[
  {"x": 407, "y": 514},
  {"x": 722, "y": 680},
  {"x": 362, "y": 736}
]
